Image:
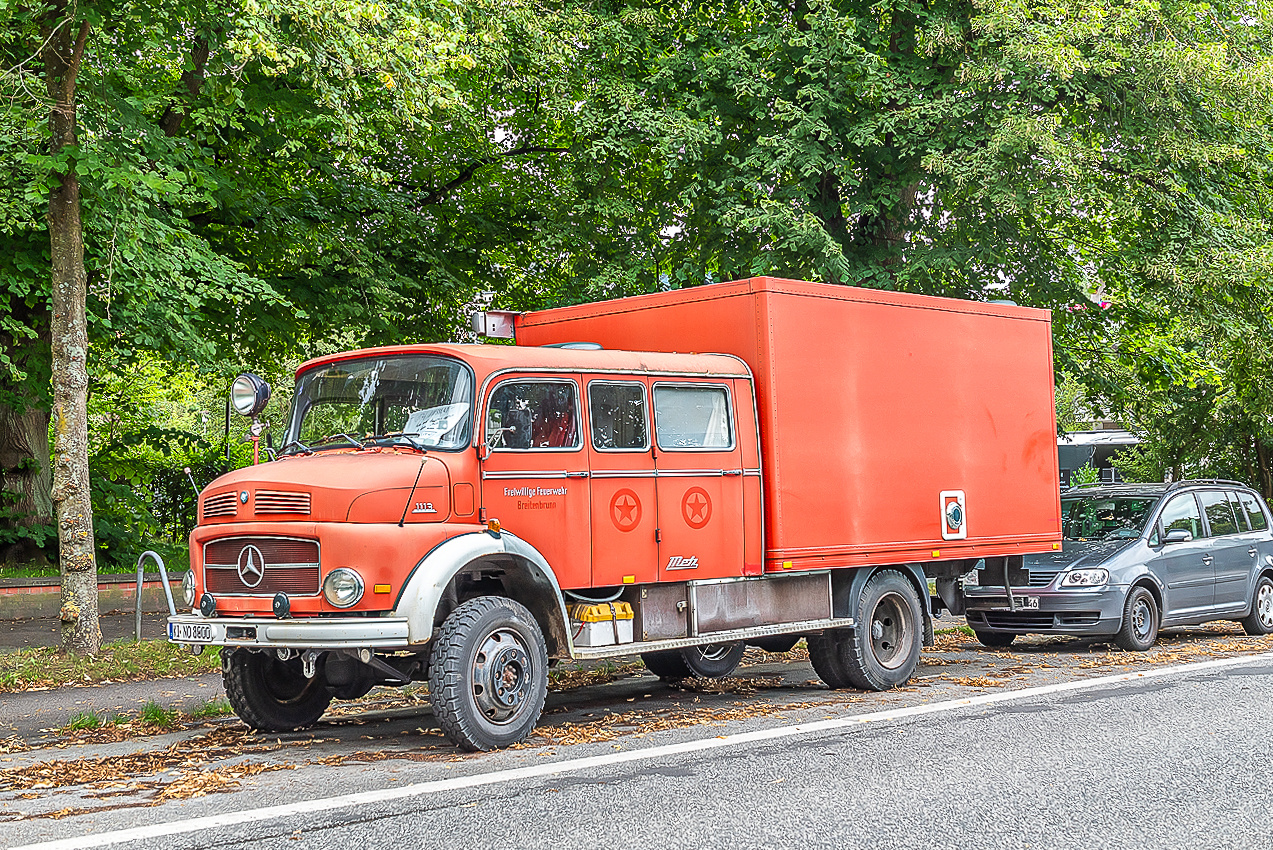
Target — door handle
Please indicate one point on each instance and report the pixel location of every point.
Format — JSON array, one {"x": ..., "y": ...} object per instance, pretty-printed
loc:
[
  {"x": 1253, "y": 552},
  {"x": 1207, "y": 559},
  {"x": 576, "y": 475},
  {"x": 731, "y": 472}
]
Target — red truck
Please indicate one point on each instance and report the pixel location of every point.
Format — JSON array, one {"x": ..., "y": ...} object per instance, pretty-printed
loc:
[{"x": 676, "y": 475}]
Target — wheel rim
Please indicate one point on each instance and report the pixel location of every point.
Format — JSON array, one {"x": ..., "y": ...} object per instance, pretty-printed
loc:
[
  {"x": 891, "y": 631},
  {"x": 1142, "y": 618},
  {"x": 1264, "y": 604},
  {"x": 285, "y": 685},
  {"x": 714, "y": 651},
  {"x": 502, "y": 675}
]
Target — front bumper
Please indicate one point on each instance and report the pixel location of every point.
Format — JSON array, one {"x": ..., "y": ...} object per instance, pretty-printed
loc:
[
  {"x": 1070, "y": 612},
  {"x": 306, "y": 633}
]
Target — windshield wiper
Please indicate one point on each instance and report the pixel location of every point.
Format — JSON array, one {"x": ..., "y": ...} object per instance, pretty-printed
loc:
[
  {"x": 403, "y": 435},
  {"x": 290, "y": 443},
  {"x": 353, "y": 441}
]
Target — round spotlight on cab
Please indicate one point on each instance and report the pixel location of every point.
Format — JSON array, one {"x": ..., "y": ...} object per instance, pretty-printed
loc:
[
  {"x": 343, "y": 587},
  {"x": 249, "y": 394},
  {"x": 207, "y": 605},
  {"x": 187, "y": 588}
]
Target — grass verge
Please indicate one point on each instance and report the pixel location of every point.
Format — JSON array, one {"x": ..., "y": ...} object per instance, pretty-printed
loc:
[{"x": 122, "y": 661}]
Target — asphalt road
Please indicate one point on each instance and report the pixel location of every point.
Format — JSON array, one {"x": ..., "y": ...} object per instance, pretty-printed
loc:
[{"x": 1071, "y": 746}]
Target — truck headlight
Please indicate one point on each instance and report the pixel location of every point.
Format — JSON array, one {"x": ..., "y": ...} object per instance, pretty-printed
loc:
[
  {"x": 1085, "y": 578},
  {"x": 343, "y": 587},
  {"x": 249, "y": 394},
  {"x": 187, "y": 588}
]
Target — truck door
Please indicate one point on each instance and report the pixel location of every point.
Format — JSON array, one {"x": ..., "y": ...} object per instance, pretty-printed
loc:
[
  {"x": 535, "y": 477},
  {"x": 621, "y": 460},
  {"x": 699, "y": 483}
]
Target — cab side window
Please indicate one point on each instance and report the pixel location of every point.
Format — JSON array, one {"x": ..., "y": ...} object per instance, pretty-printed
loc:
[
  {"x": 1219, "y": 514},
  {"x": 1254, "y": 513},
  {"x": 616, "y": 413},
  {"x": 692, "y": 417},
  {"x": 533, "y": 415},
  {"x": 1182, "y": 512}
]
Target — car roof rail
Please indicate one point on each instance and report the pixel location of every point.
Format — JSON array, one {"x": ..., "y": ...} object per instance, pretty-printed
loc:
[{"x": 1189, "y": 482}]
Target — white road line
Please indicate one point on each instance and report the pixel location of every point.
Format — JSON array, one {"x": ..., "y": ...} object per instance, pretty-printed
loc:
[{"x": 213, "y": 822}]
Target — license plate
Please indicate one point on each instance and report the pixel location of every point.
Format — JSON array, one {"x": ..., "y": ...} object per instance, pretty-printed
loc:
[
  {"x": 1023, "y": 603},
  {"x": 190, "y": 632}
]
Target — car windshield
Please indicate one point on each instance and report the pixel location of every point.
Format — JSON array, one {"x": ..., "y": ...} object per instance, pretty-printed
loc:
[
  {"x": 412, "y": 399},
  {"x": 1105, "y": 517}
]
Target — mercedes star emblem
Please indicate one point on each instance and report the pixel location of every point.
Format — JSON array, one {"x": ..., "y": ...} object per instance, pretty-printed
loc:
[{"x": 251, "y": 566}]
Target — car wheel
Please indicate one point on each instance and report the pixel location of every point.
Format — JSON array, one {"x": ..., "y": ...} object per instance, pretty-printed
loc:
[
  {"x": 883, "y": 651},
  {"x": 776, "y": 643},
  {"x": 995, "y": 640},
  {"x": 489, "y": 674},
  {"x": 714, "y": 660},
  {"x": 1140, "y": 621},
  {"x": 1260, "y": 620},
  {"x": 272, "y": 695}
]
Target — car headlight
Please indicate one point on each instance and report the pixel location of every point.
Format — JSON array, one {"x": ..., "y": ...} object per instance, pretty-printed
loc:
[
  {"x": 343, "y": 587},
  {"x": 1085, "y": 578},
  {"x": 187, "y": 588}
]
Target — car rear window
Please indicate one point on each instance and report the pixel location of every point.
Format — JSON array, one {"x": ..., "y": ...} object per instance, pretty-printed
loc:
[
  {"x": 1219, "y": 514},
  {"x": 1254, "y": 513}
]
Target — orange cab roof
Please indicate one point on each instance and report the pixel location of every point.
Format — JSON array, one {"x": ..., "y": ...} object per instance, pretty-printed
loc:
[{"x": 487, "y": 359}]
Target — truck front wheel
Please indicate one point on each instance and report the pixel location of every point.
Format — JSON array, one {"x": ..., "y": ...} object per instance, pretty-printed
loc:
[
  {"x": 882, "y": 650},
  {"x": 272, "y": 695},
  {"x": 488, "y": 674}
]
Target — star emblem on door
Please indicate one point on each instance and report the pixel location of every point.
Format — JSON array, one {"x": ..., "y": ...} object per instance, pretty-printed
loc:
[
  {"x": 625, "y": 510},
  {"x": 696, "y": 507}
]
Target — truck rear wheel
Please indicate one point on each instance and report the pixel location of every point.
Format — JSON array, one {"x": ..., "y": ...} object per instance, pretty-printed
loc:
[
  {"x": 488, "y": 674},
  {"x": 882, "y": 651},
  {"x": 272, "y": 695},
  {"x": 709, "y": 661}
]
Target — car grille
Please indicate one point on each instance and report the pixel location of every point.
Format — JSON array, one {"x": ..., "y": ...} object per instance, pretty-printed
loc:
[
  {"x": 222, "y": 504},
  {"x": 1036, "y": 621},
  {"x": 1042, "y": 578},
  {"x": 289, "y": 566},
  {"x": 279, "y": 502}
]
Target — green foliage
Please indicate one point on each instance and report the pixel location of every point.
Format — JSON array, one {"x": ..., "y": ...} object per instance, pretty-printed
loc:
[
  {"x": 211, "y": 709},
  {"x": 1086, "y": 474},
  {"x": 83, "y": 720},
  {"x": 154, "y": 714}
]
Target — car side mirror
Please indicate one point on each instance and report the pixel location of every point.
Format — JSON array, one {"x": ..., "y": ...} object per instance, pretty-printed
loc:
[{"x": 1178, "y": 535}]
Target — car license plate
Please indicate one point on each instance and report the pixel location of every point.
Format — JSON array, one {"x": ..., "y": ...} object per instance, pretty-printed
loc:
[
  {"x": 1027, "y": 601},
  {"x": 190, "y": 632}
]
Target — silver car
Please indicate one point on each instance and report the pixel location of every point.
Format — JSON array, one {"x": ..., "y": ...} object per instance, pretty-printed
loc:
[{"x": 1136, "y": 557}]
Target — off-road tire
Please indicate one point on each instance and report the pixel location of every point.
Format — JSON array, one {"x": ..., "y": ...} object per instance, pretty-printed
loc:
[
  {"x": 488, "y": 674},
  {"x": 776, "y": 643},
  {"x": 1140, "y": 621},
  {"x": 1260, "y": 620},
  {"x": 714, "y": 660},
  {"x": 272, "y": 695},
  {"x": 668, "y": 664},
  {"x": 824, "y": 655},
  {"x": 995, "y": 640},
  {"x": 882, "y": 650}
]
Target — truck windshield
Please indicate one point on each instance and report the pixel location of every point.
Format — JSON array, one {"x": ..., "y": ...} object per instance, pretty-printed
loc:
[
  {"x": 1105, "y": 518},
  {"x": 411, "y": 399}
]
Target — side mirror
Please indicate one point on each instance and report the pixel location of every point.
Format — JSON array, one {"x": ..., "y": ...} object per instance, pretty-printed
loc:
[{"x": 1178, "y": 535}]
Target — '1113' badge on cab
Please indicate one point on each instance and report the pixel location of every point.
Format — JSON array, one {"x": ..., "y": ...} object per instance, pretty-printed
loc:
[{"x": 424, "y": 508}]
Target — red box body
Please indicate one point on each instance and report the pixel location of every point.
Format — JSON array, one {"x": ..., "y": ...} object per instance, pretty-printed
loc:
[{"x": 874, "y": 408}]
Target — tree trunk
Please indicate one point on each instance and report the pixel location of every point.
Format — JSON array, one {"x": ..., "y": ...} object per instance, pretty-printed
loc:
[
  {"x": 25, "y": 477},
  {"x": 62, "y": 54}
]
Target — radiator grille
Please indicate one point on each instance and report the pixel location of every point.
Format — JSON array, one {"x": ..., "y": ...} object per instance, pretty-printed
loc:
[
  {"x": 1042, "y": 578},
  {"x": 286, "y": 565},
  {"x": 279, "y": 502},
  {"x": 222, "y": 504}
]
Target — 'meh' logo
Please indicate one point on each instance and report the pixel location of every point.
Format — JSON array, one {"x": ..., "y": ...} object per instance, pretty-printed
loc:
[{"x": 676, "y": 562}]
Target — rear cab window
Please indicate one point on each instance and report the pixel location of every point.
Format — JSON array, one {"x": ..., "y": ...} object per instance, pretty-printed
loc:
[
  {"x": 617, "y": 416},
  {"x": 693, "y": 417}
]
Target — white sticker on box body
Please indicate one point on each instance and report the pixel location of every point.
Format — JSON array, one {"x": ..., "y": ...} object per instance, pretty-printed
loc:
[{"x": 954, "y": 515}]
